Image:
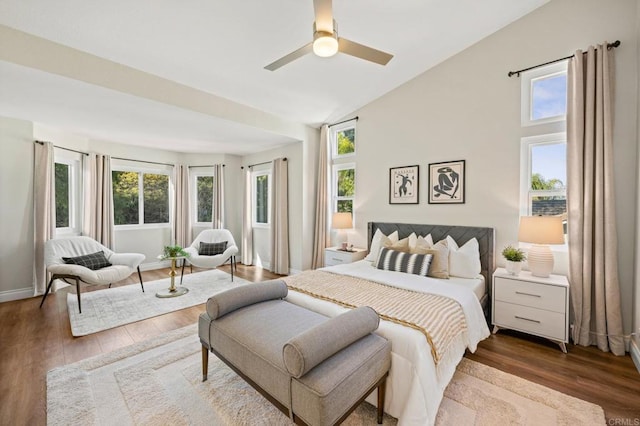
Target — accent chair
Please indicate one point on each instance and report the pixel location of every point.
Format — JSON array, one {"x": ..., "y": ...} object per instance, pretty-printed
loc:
[{"x": 210, "y": 237}]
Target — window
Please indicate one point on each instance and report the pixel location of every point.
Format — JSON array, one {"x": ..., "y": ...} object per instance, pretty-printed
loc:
[
  {"x": 204, "y": 198},
  {"x": 68, "y": 191},
  {"x": 261, "y": 198},
  {"x": 543, "y": 185},
  {"x": 140, "y": 197},
  {"x": 342, "y": 139},
  {"x": 544, "y": 94}
]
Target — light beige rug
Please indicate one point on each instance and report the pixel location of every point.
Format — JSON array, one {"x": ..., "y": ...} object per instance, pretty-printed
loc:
[
  {"x": 113, "y": 307},
  {"x": 158, "y": 382}
]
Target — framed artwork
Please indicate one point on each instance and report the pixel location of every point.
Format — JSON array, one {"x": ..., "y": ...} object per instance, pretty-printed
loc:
[
  {"x": 403, "y": 185},
  {"x": 446, "y": 182}
]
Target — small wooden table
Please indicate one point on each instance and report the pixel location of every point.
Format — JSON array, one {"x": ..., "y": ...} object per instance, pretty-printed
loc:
[{"x": 172, "y": 291}]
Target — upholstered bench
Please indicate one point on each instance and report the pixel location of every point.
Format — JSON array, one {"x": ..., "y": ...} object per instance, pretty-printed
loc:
[{"x": 315, "y": 369}]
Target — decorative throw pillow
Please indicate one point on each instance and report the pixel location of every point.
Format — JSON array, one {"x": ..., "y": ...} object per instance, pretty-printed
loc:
[
  {"x": 413, "y": 239},
  {"x": 211, "y": 249},
  {"x": 440, "y": 262},
  {"x": 93, "y": 261},
  {"x": 423, "y": 243},
  {"x": 377, "y": 242},
  {"x": 464, "y": 262},
  {"x": 392, "y": 260},
  {"x": 402, "y": 245}
]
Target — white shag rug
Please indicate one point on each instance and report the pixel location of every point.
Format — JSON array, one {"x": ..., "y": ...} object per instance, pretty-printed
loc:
[
  {"x": 158, "y": 382},
  {"x": 112, "y": 307}
]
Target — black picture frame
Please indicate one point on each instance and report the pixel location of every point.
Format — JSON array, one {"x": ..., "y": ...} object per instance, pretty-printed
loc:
[
  {"x": 447, "y": 182},
  {"x": 404, "y": 185}
]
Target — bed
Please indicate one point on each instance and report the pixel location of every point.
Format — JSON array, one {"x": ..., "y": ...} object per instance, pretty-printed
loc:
[{"x": 418, "y": 375}]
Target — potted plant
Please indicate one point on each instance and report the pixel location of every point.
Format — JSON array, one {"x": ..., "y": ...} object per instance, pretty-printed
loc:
[
  {"x": 174, "y": 251},
  {"x": 514, "y": 257}
]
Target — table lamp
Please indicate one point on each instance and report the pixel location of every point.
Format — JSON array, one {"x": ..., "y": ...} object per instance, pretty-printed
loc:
[
  {"x": 341, "y": 221},
  {"x": 541, "y": 231}
]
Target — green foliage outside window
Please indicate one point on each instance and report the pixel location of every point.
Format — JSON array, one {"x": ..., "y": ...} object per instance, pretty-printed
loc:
[
  {"x": 205, "y": 198},
  {"x": 262, "y": 199},
  {"x": 62, "y": 195},
  {"x": 125, "y": 197},
  {"x": 155, "y": 189},
  {"x": 538, "y": 182},
  {"x": 346, "y": 141},
  {"x": 346, "y": 182}
]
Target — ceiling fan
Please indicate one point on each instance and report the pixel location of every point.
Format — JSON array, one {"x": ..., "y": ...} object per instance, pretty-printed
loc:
[{"x": 327, "y": 43}]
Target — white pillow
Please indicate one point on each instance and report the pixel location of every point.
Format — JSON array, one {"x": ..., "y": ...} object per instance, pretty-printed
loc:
[
  {"x": 413, "y": 239},
  {"x": 464, "y": 262},
  {"x": 422, "y": 243},
  {"x": 378, "y": 241}
]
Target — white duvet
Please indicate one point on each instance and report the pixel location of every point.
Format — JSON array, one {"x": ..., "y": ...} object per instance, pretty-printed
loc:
[{"x": 415, "y": 386}]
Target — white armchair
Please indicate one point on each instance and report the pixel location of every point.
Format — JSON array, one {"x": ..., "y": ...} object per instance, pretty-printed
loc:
[
  {"x": 122, "y": 264},
  {"x": 212, "y": 236}
]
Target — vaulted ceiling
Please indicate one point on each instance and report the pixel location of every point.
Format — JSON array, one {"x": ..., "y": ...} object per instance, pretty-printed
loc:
[{"x": 191, "y": 73}]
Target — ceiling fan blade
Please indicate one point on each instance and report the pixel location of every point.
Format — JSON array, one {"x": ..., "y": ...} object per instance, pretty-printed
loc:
[
  {"x": 363, "y": 52},
  {"x": 324, "y": 15},
  {"x": 307, "y": 48}
]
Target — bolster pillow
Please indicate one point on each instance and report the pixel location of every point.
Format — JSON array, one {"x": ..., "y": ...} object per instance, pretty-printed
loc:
[
  {"x": 308, "y": 349},
  {"x": 245, "y": 295}
]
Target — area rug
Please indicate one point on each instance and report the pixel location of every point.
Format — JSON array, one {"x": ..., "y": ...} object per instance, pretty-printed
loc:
[
  {"x": 112, "y": 307},
  {"x": 158, "y": 382}
]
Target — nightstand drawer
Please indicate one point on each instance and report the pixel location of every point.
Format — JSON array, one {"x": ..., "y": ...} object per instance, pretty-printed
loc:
[
  {"x": 336, "y": 258},
  {"x": 535, "y": 295},
  {"x": 530, "y": 320}
]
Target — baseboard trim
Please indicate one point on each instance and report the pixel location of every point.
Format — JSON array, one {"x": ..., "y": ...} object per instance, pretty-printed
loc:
[
  {"x": 21, "y": 293},
  {"x": 155, "y": 265},
  {"x": 635, "y": 353}
]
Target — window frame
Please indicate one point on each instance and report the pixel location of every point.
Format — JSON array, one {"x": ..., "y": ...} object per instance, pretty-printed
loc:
[
  {"x": 74, "y": 161},
  {"x": 333, "y": 138},
  {"x": 140, "y": 170},
  {"x": 203, "y": 172},
  {"x": 526, "y": 92},
  {"x": 335, "y": 168},
  {"x": 254, "y": 193}
]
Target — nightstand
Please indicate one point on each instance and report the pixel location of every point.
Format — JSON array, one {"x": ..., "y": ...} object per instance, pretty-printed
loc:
[
  {"x": 534, "y": 305},
  {"x": 333, "y": 256}
]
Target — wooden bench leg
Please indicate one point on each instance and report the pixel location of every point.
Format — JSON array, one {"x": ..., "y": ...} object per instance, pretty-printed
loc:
[
  {"x": 381, "y": 394},
  {"x": 205, "y": 362}
]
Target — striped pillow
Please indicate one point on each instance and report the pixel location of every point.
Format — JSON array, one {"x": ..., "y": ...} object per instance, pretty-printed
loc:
[{"x": 392, "y": 260}]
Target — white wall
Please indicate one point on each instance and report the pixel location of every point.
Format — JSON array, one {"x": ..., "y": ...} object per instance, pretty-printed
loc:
[
  {"x": 635, "y": 342},
  {"x": 468, "y": 109},
  {"x": 16, "y": 209}
]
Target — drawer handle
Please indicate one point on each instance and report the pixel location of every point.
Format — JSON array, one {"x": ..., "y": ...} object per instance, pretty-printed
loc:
[
  {"x": 337, "y": 259},
  {"x": 528, "y": 294},
  {"x": 527, "y": 319}
]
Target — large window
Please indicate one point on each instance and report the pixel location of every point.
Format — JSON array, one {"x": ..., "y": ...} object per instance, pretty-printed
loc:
[
  {"x": 204, "y": 198},
  {"x": 68, "y": 191},
  {"x": 140, "y": 197},
  {"x": 261, "y": 198},
  {"x": 342, "y": 139}
]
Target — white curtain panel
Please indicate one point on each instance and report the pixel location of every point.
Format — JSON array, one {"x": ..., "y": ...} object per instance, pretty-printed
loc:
[
  {"x": 218, "y": 196},
  {"x": 279, "y": 218},
  {"x": 247, "y": 220},
  {"x": 98, "y": 222},
  {"x": 593, "y": 258},
  {"x": 321, "y": 233},
  {"x": 181, "y": 210},
  {"x": 44, "y": 210}
]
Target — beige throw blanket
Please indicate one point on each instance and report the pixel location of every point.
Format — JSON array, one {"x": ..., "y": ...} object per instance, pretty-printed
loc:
[{"x": 439, "y": 318}]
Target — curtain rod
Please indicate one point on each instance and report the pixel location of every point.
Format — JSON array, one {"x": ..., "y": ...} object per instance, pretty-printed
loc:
[
  {"x": 260, "y": 164},
  {"x": 517, "y": 73},
  {"x": 344, "y": 121},
  {"x": 141, "y": 161},
  {"x": 66, "y": 149},
  {"x": 195, "y": 167}
]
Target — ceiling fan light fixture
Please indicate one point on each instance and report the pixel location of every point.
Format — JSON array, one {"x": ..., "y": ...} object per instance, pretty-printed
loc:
[{"x": 325, "y": 44}]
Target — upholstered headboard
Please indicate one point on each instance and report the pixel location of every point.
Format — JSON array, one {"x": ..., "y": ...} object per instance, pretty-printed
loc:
[{"x": 461, "y": 234}]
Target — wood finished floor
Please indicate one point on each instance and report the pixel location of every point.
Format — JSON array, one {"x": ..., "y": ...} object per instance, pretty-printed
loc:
[{"x": 33, "y": 341}]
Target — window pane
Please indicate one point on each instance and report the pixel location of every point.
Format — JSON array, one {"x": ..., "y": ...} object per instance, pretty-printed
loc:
[
  {"x": 346, "y": 182},
  {"x": 125, "y": 197},
  {"x": 548, "y": 166},
  {"x": 345, "y": 206},
  {"x": 205, "y": 198},
  {"x": 62, "y": 195},
  {"x": 262, "y": 199},
  {"x": 346, "y": 141},
  {"x": 549, "y": 97},
  {"x": 156, "y": 198}
]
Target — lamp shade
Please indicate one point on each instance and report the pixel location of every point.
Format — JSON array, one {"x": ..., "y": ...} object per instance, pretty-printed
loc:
[
  {"x": 541, "y": 230},
  {"x": 341, "y": 220}
]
